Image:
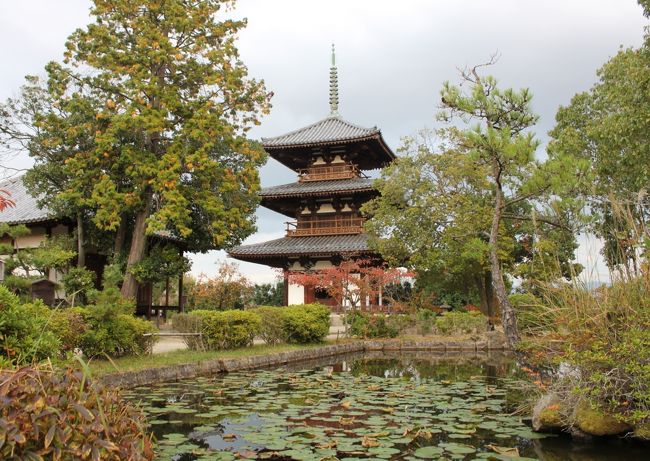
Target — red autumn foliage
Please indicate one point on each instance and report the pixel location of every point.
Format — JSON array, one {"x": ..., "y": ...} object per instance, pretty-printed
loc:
[
  {"x": 5, "y": 201},
  {"x": 350, "y": 282}
]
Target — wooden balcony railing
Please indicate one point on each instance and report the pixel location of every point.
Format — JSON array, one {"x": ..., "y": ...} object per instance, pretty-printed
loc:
[
  {"x": 328, "y": 172},
  {"x": 338, "y": 226}
]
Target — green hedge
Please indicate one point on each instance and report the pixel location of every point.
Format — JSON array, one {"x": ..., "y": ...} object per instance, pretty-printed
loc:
[
  {"x": 273, "y": 318},
  {"x": 306, "y": 323},
  {"x": 228, "y": 329}
]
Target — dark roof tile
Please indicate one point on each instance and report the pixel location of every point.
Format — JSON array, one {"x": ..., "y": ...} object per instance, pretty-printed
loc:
[
  {"x": 312, "y": 246},
  {"x": 318, "y": 187},
  {"x": 328, "y": 130}
]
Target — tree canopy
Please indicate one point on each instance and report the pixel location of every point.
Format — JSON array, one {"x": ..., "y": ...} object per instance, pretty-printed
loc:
[{"x": 143, "y": 126}]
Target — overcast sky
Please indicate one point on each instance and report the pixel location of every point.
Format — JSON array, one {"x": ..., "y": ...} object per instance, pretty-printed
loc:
[{"x": 392, "y": 59}]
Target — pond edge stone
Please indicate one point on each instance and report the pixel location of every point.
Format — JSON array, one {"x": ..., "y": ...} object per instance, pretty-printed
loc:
[{"x": 130, "y": 379}]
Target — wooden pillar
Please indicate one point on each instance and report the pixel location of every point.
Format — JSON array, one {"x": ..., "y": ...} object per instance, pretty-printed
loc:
[
  {"x": 181, "y": 307},
  {"x": 285, "y": 295},
  {"x": 166, "y": 297}
]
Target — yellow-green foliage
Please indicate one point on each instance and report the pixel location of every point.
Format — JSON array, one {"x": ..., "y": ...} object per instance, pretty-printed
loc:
[
  {"x": 451, "y": 323},
  {"x": 306, "y": 323},
  {"x": 642, "y": 431},
  {"x": 273, "y": 319},
  {"x": 228, "y": 329},
  {"x": 551, "y": 416},
  {"x": 596, "y": 422},
  {"x": 24, "y": 337}
]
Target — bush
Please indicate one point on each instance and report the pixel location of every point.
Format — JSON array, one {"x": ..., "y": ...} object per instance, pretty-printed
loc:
[
  {"x": 188, "y": 323},
  {"x": 24, "y": 336},
  {"x": 451, "y": 323},
  {"x": 69, "y": 326},
  {"x": 228, "y": 329},
  {"x": 273, "y": 319},
  {"x": 306, "y": 323},
  {"x": 363, "y": 325},
  {"x": 426, "y": 321},
  {"x": 50, "y": 414},
  {"x": 78, "y": 281},
  {"x": 113, "y": 329}
]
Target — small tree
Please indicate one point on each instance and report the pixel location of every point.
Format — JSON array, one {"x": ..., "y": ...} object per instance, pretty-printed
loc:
[
  {"x": 229, "y": 289},
  {"x": 350, "y": 281},
  {"x": 500, "y": 141}
]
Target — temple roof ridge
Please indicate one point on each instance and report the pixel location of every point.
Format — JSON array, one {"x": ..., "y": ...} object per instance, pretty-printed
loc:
[{"x": 331, "y": 129}]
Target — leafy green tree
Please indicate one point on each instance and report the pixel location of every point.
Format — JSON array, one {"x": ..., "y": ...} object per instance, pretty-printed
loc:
[
  {"x": 431, "y": 215},
  {"x": 162, "y": 105},
  {"x": 268, "y": 294},
  {"x": 608, "y": 129},
  {"x": 434, "y": 214}
]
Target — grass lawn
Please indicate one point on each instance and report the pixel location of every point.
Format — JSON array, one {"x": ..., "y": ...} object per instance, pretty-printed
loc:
[{"x": 101, "y": 367}]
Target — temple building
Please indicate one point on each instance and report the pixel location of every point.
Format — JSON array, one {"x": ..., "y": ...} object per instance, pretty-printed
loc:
[{"x": 329, "y": 158}]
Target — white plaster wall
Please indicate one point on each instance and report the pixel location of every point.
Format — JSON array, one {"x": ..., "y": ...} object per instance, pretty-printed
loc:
[
  {"x": 296, "y": 266},
  {"x": 326, "y": 208},
  {"x": 31, "y": 241},
  {"x": 324, "y": 264},
  {"x": 296, "y": 294}
]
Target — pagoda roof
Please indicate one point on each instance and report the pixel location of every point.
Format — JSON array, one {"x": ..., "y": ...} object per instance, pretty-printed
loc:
[
  {"x": 275, "y": 252},
  {"x": 330, "y": 131},
  {"x": 318, "y": 188}
]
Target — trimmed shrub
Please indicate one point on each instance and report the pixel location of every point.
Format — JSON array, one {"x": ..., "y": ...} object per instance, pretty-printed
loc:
[
  {"x": 228, "y": 329},
  {"x": 24, "y": 337},
  {"x": 50, "y": 414},
  {"x": 306, "y": 323},
  {"x": 273, "y": 318},
  {"x": 116, "y": 335},
  {"x": 453, "y": 322}
]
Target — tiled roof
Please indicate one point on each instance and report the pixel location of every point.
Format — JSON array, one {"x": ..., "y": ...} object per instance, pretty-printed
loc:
[
  {"x": 312, "y": 188},
  {"x": 311, "y": 246},
  {"x": 328, "y": 130},
  {"x": 26, "y": 210}
]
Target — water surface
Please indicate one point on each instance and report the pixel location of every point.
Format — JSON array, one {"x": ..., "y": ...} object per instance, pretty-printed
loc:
[{"x": 401, "y": 407}]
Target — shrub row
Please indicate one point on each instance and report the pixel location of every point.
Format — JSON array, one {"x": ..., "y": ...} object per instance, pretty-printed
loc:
[
  {"x": 231, "y": 329},
  {"x": 33, "y": 332}
]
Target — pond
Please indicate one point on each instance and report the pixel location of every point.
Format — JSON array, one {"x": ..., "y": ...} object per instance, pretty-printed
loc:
[{"x": 406, "y": 407}]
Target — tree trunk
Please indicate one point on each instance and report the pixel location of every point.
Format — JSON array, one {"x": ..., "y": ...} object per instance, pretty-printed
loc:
[
  {"x": 138, "y": 247},
  {"x": 120, "y": 235},
  {"x": 81, "y": 251},
  {"x": 508, "y": 317}
]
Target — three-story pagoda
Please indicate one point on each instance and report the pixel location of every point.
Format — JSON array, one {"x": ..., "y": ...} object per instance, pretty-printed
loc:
[{"x": 330, "y": 158}]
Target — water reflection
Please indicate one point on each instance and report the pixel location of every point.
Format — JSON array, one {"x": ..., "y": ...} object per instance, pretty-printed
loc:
[{"x": 342, "y": 407}]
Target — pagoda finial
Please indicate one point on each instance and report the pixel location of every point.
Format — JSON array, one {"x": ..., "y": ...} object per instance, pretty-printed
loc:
[{"x": 334, "y": 87}]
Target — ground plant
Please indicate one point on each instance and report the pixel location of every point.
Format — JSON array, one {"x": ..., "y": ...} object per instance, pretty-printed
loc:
[{"x": 47, "y": 413}]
